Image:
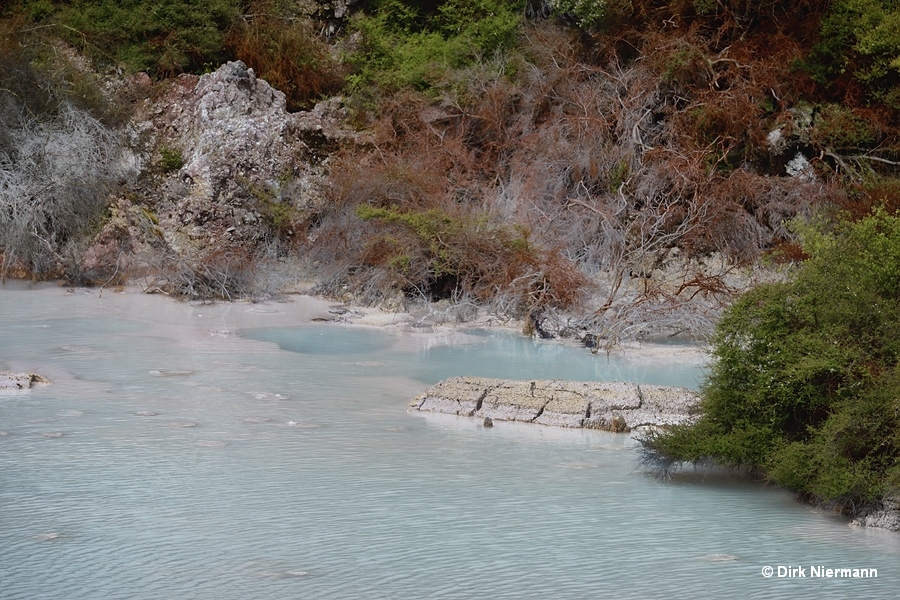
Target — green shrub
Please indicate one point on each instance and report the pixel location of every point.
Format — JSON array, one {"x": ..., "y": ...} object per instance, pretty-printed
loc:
[
  {"x": 281, "y": 216},
  {"x": 162, "y": 37},
  {"x": 278, "y": 212},
  {"x": 443, "y": 238},
  {"x": 806, "y": 374},
  {"x": 170, "y": 159},
  {"x": 860, "y": 38},
  {"x": 587, "y": 13},
  {"x": 405, "y": 46},
  {"x": 705, "y": 7},
  {"x": 444, "y": 255},
  {"x": 837, "y": 127}
]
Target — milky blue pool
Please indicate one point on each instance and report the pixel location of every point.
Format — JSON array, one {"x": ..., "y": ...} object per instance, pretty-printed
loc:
[{"x": 234, "y": 452}]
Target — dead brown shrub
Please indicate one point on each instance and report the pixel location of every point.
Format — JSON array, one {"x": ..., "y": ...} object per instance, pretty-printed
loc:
[
  {"x": 863, "y": 199},
  {"x": 419, "y": 207},
  {"x": 286, "y": 51}
]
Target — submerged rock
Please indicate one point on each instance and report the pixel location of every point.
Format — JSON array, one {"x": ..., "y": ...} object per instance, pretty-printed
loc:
[
  {"x": 611, "y": 406},
  {"x": 10, "y": 380}
]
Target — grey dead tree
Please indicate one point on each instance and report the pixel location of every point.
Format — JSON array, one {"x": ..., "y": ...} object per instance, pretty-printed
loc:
[{"x": 56, "y": 172}]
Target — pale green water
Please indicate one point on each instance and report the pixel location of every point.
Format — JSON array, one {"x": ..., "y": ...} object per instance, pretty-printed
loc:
[{"x": 280, "y": 463}]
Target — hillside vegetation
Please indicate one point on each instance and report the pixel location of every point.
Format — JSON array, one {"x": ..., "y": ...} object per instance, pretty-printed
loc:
[{"x": 626, "y": 159}]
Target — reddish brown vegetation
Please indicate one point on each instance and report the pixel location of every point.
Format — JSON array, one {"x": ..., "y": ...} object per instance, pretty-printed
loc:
[
  {"x": 286, "y": 52},
  {"x": 610, "y": 166},
  {"x": 864, "y": 199},
  {"x": 413, "y": 216}
]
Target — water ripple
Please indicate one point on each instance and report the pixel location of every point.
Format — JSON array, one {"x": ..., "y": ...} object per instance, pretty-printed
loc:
[{"x": 321, "y": 486}]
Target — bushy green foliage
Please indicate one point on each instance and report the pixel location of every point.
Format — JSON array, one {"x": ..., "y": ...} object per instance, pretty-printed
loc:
[
  {"x": 705, "y": 7},
  {"x": 445, "y": 240},
  {"x": 159, "y": 36},
  {"x": 805, "y": 382},
  {"x": 837, "y": 127},
  {"x": 587, "y": 13},
  {"x": 852, "y": 458},
  {"x": 405, "y": 45},
  {"x": 170, "y": 159},
  {"x": 860, "y": 38},
  {"x": 278, "y": 212},
  {"x": 746, "y": 10}
]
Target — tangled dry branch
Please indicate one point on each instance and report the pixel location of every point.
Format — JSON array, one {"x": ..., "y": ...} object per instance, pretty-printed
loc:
[{"x": 55, "y": 175}]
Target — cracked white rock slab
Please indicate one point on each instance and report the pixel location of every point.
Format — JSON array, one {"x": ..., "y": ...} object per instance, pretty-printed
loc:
[
  {"x": 514, "y": 401},
  {"x": 615, "y": 405},
  {"x": 566, "y": 409},
  {"x": 454, "y": 396}
]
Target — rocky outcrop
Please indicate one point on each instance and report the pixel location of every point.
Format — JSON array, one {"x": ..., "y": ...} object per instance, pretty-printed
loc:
[
  {"x": 10, "y": 380},
  {"x": 229, "y": 175},
  {"x": 887, "y": 516},
  {"x": 611, "y": 406},
  {"x": 233, "y": 157}
]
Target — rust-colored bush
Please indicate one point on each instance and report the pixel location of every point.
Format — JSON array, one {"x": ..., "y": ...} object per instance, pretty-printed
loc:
[
  {"x": 387, "y": 220},
  {"x": 286, "y": 51},
  {"x": 420, "y": 208},
  {"x": 862, "y": 200},
  {"x": 787, "y": 251}
]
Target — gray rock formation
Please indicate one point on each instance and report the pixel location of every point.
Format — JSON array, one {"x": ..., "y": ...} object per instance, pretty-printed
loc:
[
  {"x": 885, "y": 517},
  {"x": 611, "y": 406},
  {"x": 10, "y": 380},
  {"x": 229, "y": 174},
  {"x": 239, "y": 150}
]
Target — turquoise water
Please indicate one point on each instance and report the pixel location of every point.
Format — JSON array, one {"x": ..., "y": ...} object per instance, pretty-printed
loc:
[
  {"x": 482, "y": 353},
  {"x": 232, "y": 452}
]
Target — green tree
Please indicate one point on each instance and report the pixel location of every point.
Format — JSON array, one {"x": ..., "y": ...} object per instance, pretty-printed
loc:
[
  {"x": 805, "y": 375},
  {"x": 861, "y": 38}
]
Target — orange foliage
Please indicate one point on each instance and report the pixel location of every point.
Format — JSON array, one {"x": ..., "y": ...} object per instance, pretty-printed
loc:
[{"x": 287, "y": 53}]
